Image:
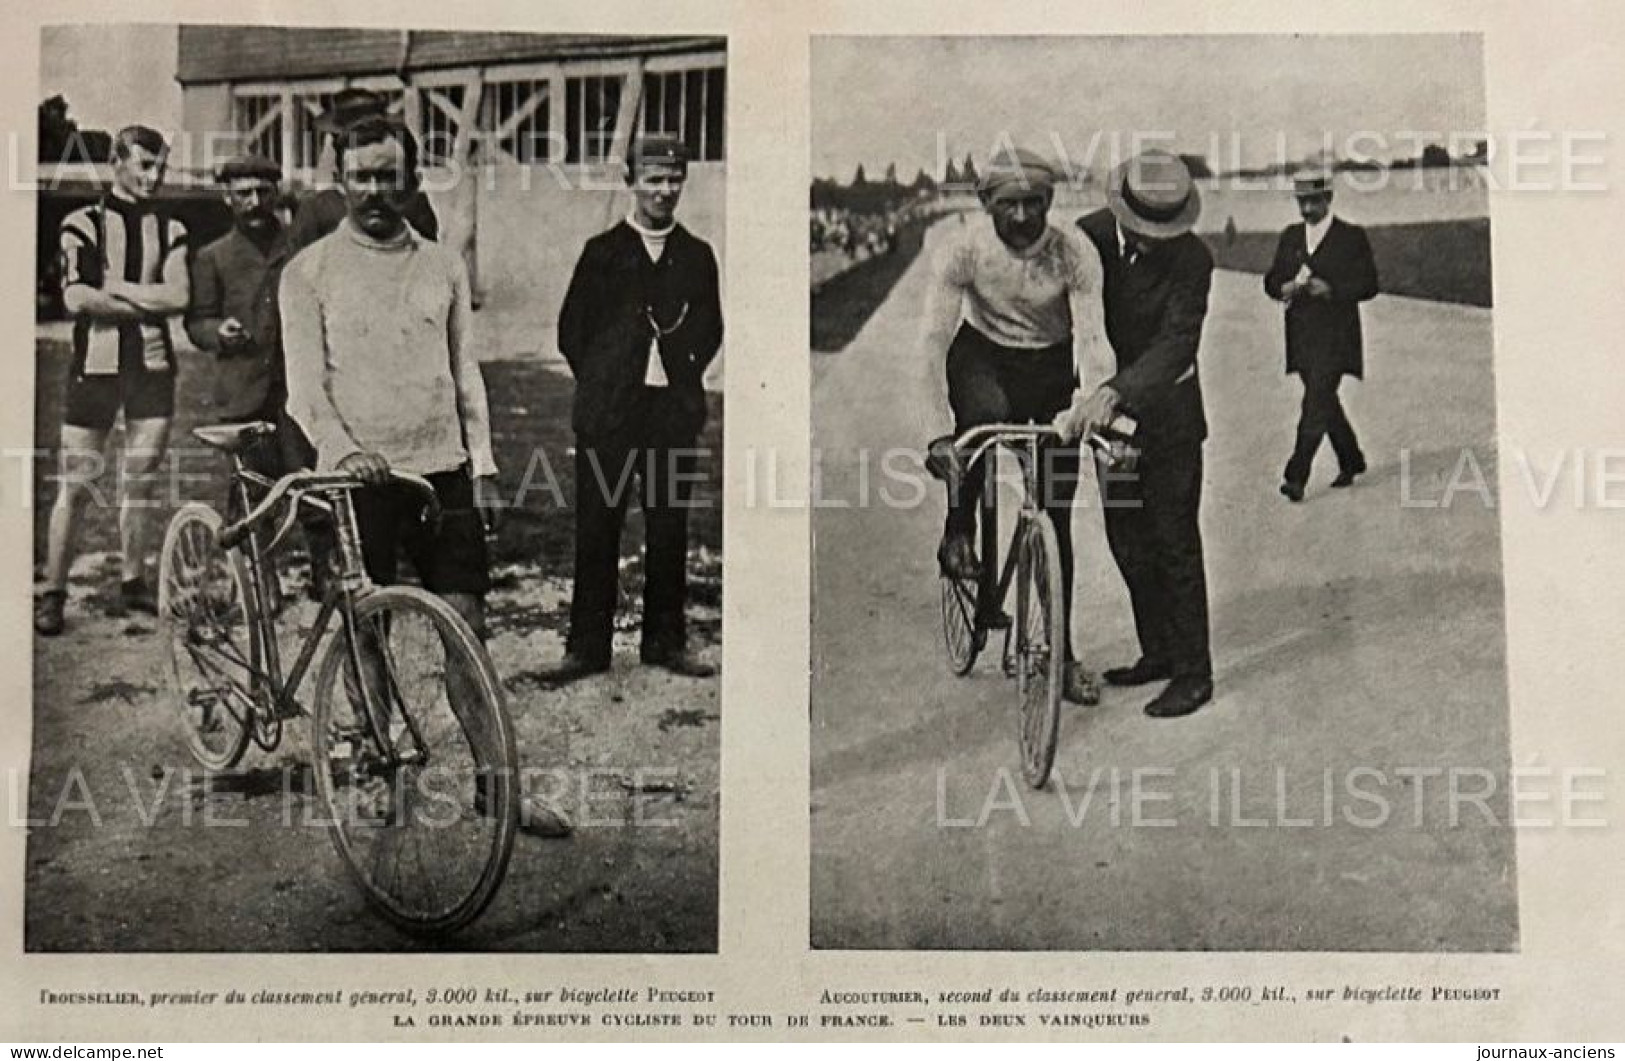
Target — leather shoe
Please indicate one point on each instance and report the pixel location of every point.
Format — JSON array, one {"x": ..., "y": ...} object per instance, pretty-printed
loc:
[
  {"x": 1143, "y": 672},
  {"x": 573, "y": 668},
  {"x": 48, "y": 620},
  {"x": 1078, "y": 684},
  {"x": 1181, "y": 697},
  {"x": 681, "y": 662},
  {"x": 1345, "y": 477},
  {"x": 957, "y": 557},
  {"x": 1292, "y": 492}
]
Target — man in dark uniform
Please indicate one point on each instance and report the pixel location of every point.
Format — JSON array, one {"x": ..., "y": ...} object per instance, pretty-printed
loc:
[
  {"x": 1156, "y": 289},
  {"x": 641, "y": 321},
  {"x": 1323, "y": 270}
]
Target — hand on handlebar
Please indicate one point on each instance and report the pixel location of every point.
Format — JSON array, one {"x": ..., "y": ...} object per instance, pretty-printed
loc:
[
  {"x": 1085, "y": 416},
  {"x": 370, "y": 468}
]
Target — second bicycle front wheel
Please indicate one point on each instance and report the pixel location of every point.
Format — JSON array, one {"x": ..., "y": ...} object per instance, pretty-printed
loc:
[
  {"x": 415, "y": 760},
  {"x": 1040, "y": 647}
]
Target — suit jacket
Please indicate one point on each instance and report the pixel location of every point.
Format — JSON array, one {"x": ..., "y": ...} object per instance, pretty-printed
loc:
[
  {"x": 605, "y": 328},
  {"x": 1323, "y": 334},
  {"x": 1155, "y": 308},
  {"x": 228, "y": 280}
]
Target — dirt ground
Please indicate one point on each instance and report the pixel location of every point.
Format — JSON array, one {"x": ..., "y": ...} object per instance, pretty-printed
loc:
[{"x": 132, "y": 848}]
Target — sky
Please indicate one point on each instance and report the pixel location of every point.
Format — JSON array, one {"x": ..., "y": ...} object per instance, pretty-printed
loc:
[
  {"x": 112, "y": 76},
  {"x": 1088, "y": 101}
]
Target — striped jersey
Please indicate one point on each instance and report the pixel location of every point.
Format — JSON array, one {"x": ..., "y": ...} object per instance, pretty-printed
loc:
[{"x": 132, "y": 241}]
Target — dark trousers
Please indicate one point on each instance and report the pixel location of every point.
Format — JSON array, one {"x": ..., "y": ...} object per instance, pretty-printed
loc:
[
  {"x": 658, "y": 464},
  {"x": 1322, "y": 416},
  {"x": 989, "y": 384},
  {"x": 1155, "y": 536}
]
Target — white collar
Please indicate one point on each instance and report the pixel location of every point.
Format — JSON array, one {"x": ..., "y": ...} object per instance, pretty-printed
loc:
[{"x": 650, "y": 233}]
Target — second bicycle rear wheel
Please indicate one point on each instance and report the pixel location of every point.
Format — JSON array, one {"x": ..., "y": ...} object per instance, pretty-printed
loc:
[
  {"x": 415, "y": 760},
  {"x": 1040, "y": 651}
]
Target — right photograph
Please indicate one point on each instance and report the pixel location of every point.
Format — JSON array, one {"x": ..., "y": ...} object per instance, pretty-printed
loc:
[{"x": 1157, "y": 599}]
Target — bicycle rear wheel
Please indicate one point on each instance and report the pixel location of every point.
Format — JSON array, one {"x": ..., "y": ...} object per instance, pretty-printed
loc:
[
  {"x": 415, "y": 760},
  {"x": 1040, "y": 647},
  {"x": 208, "y": 619}
]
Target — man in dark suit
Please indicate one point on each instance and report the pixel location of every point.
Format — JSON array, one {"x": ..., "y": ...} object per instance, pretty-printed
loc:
[
  {"x": 1323, "y": 270},
  {"x": 1157, "y": 276},
  {"x": 641, "y": 321}
]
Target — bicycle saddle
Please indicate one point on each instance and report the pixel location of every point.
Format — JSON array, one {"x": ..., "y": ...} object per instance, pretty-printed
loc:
[{"x": 233, "y": 437}]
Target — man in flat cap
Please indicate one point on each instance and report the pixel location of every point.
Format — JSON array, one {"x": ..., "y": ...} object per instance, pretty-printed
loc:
[
  {"x": 1323, "y": 270},
  {"x": 228, "y": 277},
  {"x": 641, "y": 321},
  {"x": 1157, "y": 279},
  {"x": 231, "y": 317},
  {"x": 124, "y": 277},
  {"x": 1015, "y": 308}
]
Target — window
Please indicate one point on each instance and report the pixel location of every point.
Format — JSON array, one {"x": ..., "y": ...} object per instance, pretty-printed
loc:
[
  {"x": 307, "y": 138},
  {"x": 591, "y": 106},
  {"x": 516, "y": 118},
  {"x": 687, "y": 104},
  {"x": 440, "y": 111},
  {"x": 259, "y": 124}
]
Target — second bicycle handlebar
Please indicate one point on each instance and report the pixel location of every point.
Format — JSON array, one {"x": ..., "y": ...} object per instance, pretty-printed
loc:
[{"x": 298, "y": 483}]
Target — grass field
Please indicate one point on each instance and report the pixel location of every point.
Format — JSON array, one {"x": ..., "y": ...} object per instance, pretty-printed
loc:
[
  {"x": 1446, "y": 261},
  {"x": 530, "y": 408}
]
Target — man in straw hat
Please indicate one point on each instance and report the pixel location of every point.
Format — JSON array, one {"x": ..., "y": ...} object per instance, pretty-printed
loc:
[
  {"x": 1015, "y": 304},
  {"x": 1323, "y": 270},
  {"x": 1157, "y": 279}
]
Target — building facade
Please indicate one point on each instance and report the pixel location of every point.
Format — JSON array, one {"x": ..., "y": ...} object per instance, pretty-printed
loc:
[{"x": 521, "y": 133}]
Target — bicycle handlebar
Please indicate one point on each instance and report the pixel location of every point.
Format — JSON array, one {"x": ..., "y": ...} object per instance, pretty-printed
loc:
[{"x": 303, "y": 482}]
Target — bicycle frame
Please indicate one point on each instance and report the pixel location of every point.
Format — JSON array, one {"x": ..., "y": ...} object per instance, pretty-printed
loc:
[
  {"x": 1024, "y": 441},
  {"x": 278, "y": 691}
]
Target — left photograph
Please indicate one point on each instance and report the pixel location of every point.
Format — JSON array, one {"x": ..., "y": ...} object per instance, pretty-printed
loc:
[{"x": 377, "y": 491}]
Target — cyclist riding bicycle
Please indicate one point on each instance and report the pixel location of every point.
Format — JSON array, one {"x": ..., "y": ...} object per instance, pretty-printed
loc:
[{"x": 1015, "y": 305}]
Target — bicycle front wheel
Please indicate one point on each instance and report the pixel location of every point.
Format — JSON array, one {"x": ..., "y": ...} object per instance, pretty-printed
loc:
[
  {"x": 208, "y": 622},
  {"x": 1040, "y": 647},
  {"x": 415, "y": 761},
  {"x": 961, "y": 634}
]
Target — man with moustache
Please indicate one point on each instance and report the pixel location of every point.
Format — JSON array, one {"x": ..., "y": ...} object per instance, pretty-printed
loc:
[
  {"x": 1015, "y": 305},
  {"x": 1323, "y": 269},
  {"x": 375, "y": 322},
  {"x": 381, "y": 376},
  {"x": 641, "y": 321},
  {"x": 1158, "y": 274},
  {"x": 124, "y": 276}
]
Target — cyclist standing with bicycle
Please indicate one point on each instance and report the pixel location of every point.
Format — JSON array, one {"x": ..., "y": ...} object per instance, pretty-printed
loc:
[
  {"x": 1015, "y": 305},
  {"x": 375, "y": 323}
]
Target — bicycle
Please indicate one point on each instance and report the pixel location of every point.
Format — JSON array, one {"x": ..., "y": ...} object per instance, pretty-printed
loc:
[
  {"x": 1034, "y": 651},
  {"x": 414, "y": 754}
]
